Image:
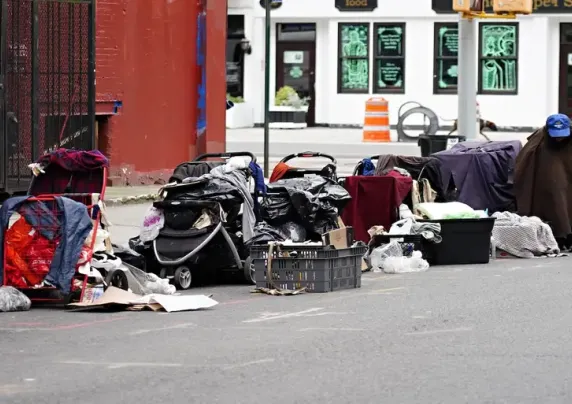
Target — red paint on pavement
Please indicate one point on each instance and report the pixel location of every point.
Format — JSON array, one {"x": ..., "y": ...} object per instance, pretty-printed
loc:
[{"x": 87, "y": 324}]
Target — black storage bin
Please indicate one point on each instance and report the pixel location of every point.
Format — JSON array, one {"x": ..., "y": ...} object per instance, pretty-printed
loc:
[
  {"x": 465, "y": 241},
  {"x": 430, "y": 144}
]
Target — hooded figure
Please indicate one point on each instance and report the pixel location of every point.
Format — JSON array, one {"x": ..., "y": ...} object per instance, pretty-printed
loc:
[{"x": 543, "y": 177}]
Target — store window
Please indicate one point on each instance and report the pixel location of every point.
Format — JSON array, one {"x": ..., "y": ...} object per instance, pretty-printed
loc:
[
  {"x": 446, "y": 58},
  {"x": 353, "y": 58},
  {"x": 498, "y": 58},
  {"x": 389, "y": 58},
  {"x": 235, "y": 56}
]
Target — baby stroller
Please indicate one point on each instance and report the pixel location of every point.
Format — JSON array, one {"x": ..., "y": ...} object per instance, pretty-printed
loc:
[
  {"x": 284, "y": 171},
  {"x": 203, "y": 227}
]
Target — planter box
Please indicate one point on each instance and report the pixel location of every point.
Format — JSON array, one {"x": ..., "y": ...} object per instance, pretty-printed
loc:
[
  {"x": 240, "y": 116},
  {"x": 288, "y": 117}
]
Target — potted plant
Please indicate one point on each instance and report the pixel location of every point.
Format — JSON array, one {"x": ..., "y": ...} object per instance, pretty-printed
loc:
[
  {"x": 239, "y": 116},
  {"x": 289, "y": 110}
]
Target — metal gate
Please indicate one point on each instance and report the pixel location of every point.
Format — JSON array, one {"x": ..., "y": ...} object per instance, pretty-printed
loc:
[{"x": 47, "y": 82}]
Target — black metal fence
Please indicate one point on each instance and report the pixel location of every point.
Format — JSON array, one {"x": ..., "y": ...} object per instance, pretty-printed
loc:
[{"x": 47, "y": 82}]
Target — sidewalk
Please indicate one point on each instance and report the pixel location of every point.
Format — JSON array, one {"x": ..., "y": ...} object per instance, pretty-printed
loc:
[{"x": 126, "y": 195}]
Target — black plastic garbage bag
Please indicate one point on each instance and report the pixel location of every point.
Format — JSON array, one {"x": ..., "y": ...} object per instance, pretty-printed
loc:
[
  {"x": 129, "y": 256},
  {"x": 264, "y": 233},
  {"x": 212, "y": 189},
  {"x": 313, "y": 202}
]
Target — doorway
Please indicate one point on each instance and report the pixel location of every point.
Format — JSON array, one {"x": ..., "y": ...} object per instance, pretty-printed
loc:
[
  {"x": 296, "y": 62},
  {"x": 565, "y": 75}
]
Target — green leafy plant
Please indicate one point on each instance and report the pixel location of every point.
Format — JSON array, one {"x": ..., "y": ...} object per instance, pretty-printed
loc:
[
  {"x": 288, "y": 97},
  {"x": 236, "y": 100}
]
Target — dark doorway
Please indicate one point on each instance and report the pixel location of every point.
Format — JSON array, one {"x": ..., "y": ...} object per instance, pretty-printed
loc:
[
  {"x": 565, "y": 75},
  {"x": 234, "y": 55},
  {"x": 47, "y": 82},
  {"x": 296, "y": 62}
]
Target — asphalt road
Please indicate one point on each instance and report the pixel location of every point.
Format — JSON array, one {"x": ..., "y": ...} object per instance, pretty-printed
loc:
[{"x": 497, "y": 333}]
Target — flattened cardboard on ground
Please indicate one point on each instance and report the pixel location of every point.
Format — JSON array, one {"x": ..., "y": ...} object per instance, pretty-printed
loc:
[{"x": 115, "y": 298}]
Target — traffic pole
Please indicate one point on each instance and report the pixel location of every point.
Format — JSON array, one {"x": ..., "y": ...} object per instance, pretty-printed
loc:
[
  {"x": 467, "y": 78},
  {"x": 267, "y": 91}
]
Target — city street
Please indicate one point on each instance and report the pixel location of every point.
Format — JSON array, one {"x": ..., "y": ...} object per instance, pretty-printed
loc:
[{"x": 496, "y": 333}]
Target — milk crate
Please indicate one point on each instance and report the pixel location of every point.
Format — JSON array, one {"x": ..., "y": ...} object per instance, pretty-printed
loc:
[{"x": 317, "y": 268}]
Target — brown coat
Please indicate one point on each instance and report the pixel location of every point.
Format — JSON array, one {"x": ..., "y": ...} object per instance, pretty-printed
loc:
[{"x": 543, "y": 181}]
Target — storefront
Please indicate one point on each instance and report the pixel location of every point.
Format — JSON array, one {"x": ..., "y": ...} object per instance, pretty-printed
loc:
[{"x": 341, "y": 52}]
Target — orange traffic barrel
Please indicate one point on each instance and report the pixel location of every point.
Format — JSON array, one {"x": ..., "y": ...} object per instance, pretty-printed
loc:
[{"x": 376, "y": 121}]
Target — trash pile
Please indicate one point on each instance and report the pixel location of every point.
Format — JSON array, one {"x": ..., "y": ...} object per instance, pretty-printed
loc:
[
  {"x": 56, "y": 247},
  {"x": 307, "y": 230}
]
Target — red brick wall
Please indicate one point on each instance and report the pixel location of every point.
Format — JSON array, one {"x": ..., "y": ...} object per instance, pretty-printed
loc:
[{"x": 146, "y": 58}]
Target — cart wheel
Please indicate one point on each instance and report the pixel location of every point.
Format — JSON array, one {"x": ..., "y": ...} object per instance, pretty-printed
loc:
[
  {"x": 183, "y": 278},
  {"x": 248, "y": 268}
]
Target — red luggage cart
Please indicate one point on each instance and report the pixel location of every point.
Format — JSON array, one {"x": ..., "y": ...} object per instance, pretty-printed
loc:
[{"x": 38, "y": 225}]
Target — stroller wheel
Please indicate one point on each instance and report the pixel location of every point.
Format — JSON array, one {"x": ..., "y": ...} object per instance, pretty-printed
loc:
[
  {"x": 183, "y": 278},
  {"x": 248, "y": 267}
]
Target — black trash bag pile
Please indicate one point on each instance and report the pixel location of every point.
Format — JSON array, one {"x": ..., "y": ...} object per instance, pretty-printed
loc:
[
  {"x": 212, "y": 189},
  {"x": 264, "y": 233},
  {"x": 312, "y": 202}
]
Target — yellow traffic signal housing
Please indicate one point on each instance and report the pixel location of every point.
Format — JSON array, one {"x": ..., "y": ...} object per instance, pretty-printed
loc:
[
  {"x": 467, "y": 6},
  {"x": 512, "y": 6}
]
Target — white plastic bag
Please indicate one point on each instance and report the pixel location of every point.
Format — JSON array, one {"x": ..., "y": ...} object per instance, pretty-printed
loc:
[
  {"x": 382, "y": 253},
  {"x": 153, "y": 222},
  {"x": 403, "y": 265},
  {"x": 402, "y": 227}
]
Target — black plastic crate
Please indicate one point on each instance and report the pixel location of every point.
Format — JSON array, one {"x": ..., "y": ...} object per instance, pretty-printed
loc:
[
  {"x": 465, "y": 241},
  {"x": 319, "y": 269}
]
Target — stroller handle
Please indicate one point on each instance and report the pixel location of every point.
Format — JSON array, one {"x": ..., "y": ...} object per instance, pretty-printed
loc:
[
  {"x": 226, "y": 156},
  {"x": 308, "y": 154},
  {"x": 358, "y": 165}
]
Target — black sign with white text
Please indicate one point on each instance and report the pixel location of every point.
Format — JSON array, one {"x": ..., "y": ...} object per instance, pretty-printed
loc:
[{"x": 356, "y": 5}]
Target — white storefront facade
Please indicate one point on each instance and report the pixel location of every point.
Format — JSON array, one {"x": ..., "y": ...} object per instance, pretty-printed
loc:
[{"x": 407, "y": 51}]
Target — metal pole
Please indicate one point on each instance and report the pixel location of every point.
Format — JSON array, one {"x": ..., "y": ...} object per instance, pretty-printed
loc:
[
  {"x": 267, "y": 92},
  {"x": 467, "y": 79}
]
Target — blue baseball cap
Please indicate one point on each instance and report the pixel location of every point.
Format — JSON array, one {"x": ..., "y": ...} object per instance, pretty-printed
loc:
[{"x": 558, "y": 125}]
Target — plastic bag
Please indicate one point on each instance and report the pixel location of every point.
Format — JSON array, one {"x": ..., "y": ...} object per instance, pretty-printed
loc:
[
  {"x": 153, "y": 222},
  {"x": 403, "y": 265},
  {"x": 380, "y": 254},
  {"x": 264, "y": 233},
  {"x": 15, "y": 268},
  {"x": 401, "y": 227},
  {"x": 39, "y": 256},
  {"x": 101, "y": 236},
  {"x": 294, "y": 232},
  {"x": 20, "y": 235},
  {"x": 144, "y": 283},
  {"x": 11, "y": 299}
]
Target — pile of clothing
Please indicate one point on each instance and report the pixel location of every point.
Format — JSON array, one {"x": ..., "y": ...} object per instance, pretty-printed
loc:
[{"x": 522, "y": 236}]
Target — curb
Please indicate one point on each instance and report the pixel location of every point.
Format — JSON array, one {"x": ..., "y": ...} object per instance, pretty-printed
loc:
[{"x": 132, "y": 200}]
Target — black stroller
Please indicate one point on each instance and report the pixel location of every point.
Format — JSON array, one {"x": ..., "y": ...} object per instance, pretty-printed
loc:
[
  {"x": 203, "y": 221},
  {"x": 284, "y": 171}
]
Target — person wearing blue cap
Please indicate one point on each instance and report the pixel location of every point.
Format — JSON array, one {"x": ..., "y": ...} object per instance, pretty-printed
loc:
[{"x": 543, "y": 178}]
